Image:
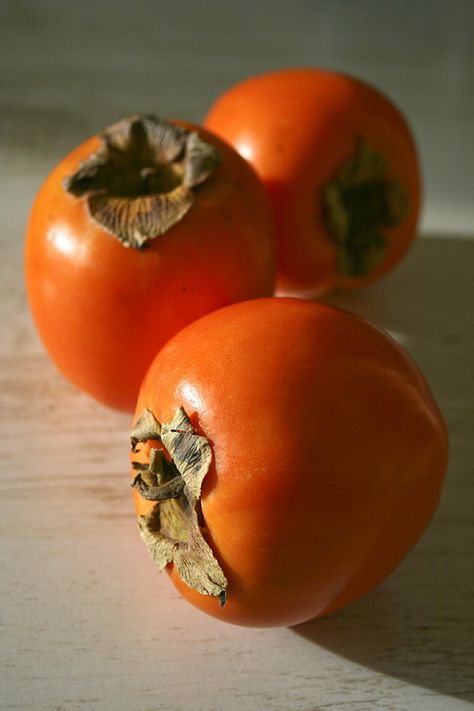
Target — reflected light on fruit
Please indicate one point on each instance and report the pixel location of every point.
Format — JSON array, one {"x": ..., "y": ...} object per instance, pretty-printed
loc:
[
  {"x": 191, "y": 395},
  {"x": 63, "y": 241},
  {"x": 401, "y": 338},
  {"x": 245, "y": 151}
]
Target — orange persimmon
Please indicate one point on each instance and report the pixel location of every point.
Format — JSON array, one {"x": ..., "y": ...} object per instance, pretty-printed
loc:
[
  {"x": 135, "y": 234},
  {"x": 339, "y": 163},
  {"x": 319, "y": 448}
]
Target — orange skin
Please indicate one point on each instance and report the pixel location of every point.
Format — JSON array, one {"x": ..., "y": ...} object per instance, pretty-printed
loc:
[
  {"x": 297, "y": 128},
  {"x": 329, "y": 454},
  {"x": 103, "y": 311}
]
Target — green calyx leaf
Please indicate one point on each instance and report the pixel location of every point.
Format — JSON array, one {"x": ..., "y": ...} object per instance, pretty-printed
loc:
[{"x": 360, "y": 204}]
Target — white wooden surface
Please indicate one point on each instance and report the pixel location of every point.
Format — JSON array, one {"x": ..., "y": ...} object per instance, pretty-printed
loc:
[{"x": 86, "y": 623}]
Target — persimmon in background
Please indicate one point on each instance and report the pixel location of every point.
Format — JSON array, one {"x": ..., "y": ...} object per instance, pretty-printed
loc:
[
  {"x": 135, "y": 234},
  {"x": 339, "y": 163},
  {"x": 304, "y": 454}
]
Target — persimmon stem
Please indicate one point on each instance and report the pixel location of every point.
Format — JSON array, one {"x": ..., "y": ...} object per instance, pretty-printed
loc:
[
  {"x": 172, "y": 489},
  {"x": 360, "y": 204},
  {"x": 173, "y": 476},
  {"x": 141, "y": 180}
]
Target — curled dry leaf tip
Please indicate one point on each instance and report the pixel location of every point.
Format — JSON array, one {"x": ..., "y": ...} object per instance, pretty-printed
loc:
[{"x": 172, "y": 532}]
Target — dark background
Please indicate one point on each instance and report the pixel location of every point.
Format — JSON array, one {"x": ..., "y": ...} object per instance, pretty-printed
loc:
[{"x": 69, "y": 69}]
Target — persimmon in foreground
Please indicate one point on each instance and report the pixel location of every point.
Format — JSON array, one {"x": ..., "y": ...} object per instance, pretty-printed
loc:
[
  {"x": 286, "y": 457},
  {"x": 135, "y": 234}
]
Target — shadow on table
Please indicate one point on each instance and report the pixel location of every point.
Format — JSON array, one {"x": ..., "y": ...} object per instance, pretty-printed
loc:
[
  {"x": 431, "y": 287},
  {"x": 419, "y": 626},
  {"x": 400, "y": 631}
]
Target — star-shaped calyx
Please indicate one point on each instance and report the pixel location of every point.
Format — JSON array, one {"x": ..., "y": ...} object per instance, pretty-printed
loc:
[
  {"x": 360, "y": 203},
  {"x": 141, "y": 180}
]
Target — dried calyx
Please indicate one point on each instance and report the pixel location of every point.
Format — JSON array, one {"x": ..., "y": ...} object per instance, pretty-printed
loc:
[
  {"x": 359, "y": 203},
  {"x": 173, "y": 478},
  {"x": 141, "y": 180}
]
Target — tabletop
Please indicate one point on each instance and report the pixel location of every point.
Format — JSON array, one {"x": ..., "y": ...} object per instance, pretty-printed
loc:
[{"x": 87, "y": 623}]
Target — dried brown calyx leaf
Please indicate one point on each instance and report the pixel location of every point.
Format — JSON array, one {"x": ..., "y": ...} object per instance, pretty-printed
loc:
[
  {"x": 141, "y": 180},
  {"x": 359, "y": 204},
  {"x": 173, "y": 478}
]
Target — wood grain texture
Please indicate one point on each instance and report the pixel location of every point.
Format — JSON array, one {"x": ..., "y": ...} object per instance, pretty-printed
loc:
[{"x": 86, "y": 622}]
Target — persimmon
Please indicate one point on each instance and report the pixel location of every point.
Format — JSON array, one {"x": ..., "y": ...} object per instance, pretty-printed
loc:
[
  {"x": 286, "y": 457},
  {"x": 135, "y": 234},
  {"x": 340, "y": 165}
]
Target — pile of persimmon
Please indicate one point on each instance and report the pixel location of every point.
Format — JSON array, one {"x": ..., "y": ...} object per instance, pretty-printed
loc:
[{"x": 285, "y": 455}]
